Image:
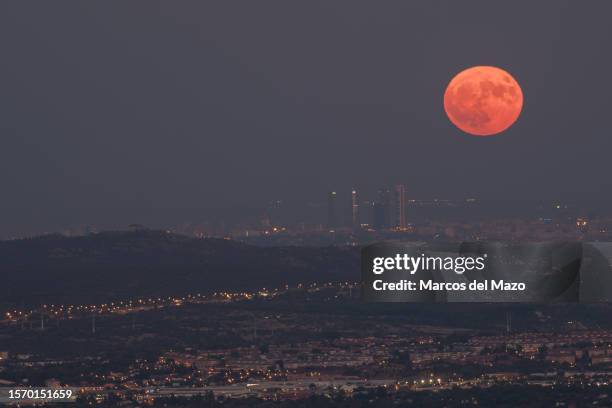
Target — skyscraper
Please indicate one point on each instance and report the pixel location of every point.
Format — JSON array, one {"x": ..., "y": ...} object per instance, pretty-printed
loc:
[
  {"x": 399, "y": 206},
  {"x": 383, "y": 209},
  {"x": 332, "y": 221},
  {"x": 390, "y": 208},
  {"x": 354, "y": 209}
]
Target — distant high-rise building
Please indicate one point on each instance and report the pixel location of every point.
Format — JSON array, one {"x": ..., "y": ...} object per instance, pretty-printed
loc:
[
  {"x": 275, "y": 212},
  {"x": 399, "y": 204},
  {"x": 383, "y": 210},
  {"x": 354, "y": 209},
  {"x": 332, "y": 221},
  {"x": 390, "y": 208},
  {"x": 378, "y": 218}
]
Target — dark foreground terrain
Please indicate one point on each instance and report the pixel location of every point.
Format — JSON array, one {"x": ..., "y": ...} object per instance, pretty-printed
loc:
[
  {"x": 311, "y": 346},
  {"x": 115, "y": 265},
  {"x": 149, "y": 318}
]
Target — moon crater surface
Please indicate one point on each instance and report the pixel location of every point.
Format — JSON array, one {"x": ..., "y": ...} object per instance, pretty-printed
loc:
[{"x": 483, "y": 100}]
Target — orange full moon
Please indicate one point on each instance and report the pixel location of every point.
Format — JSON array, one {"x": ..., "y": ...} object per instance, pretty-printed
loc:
[{"x": 483, "y": 100}]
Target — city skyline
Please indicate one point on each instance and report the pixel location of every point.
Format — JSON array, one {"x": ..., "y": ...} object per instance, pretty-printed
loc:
[
  {"x": 341, "y": 208},
  {"x": 303, "y": 204},
  {"x": 202, "y": 108}
]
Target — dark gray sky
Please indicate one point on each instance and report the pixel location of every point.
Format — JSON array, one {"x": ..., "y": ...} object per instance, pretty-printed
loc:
[{"x": 114, "y": 112}]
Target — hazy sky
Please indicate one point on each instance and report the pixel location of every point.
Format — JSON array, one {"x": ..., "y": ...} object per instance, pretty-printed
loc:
[{"x": 114, "y": 112}]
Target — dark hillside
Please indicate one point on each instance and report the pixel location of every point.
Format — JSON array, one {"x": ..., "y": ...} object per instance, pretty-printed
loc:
[{"x": 115, "y": 265}]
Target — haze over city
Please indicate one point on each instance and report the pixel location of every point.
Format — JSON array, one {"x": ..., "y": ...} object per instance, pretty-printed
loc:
[
  {"x": 306, "y": 204},
  {"x": 113, "y": 113}
]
